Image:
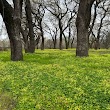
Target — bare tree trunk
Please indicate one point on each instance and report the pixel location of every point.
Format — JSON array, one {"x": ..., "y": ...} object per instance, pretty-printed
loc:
[
  {"x": 42, "y": 43},
  {"x": 96, "y": 44},
  {"x": 99, "y": 30},
  {"x": 24, "y": 33},
  {"x": 72, "y": 42},
  {"x": 61, "y": 32},
  {"x": 17, "y": 24},
  {"x": 82, "y": 24},
  {"x": 54, "y": 40},
  {"x": 42, "y": 36},
  {"x": 67, "y": 39},
  {"x": 39, "y": 17},
  {"x": 12, "y": 21},
  {"x": 60, "y": 41},
  {"x": 30, "y": 25}
]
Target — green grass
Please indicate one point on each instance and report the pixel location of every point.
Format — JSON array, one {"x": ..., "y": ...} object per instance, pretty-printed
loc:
[{"x": 55, "y": 80}]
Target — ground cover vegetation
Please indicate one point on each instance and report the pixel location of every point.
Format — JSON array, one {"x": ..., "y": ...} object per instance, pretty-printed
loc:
[{"x": 55, "y": 80}]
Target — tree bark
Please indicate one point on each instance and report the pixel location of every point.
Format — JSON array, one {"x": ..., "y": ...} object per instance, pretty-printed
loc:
[
  {"x": 11, "y": 18},
  {"x": 30, "y": 25},
  {"x": 24, "y": 33},
  {"x": 61, "y": 33},
  {"x": 82, "y": 24},
  {"x": 42, "y": 35}
]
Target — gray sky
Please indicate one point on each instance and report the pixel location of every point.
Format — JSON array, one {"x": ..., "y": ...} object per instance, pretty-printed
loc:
[
  {"x": 10, "y": 1},
  {"x": 3, "y": 32}
]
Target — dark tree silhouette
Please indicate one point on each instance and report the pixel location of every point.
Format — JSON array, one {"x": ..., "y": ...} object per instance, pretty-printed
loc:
[
  {"x": 12, "y": 20},
  {"x": 82, "y": 24}
]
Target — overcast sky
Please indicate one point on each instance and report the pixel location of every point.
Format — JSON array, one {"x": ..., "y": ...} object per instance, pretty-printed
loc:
[
  {"x": 9, "y": 1},
  {"x": 3, "y": 33}
]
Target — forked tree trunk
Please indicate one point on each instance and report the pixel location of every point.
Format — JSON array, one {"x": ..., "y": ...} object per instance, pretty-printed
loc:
[
  {"x": 82, "y": 24},
  {"x": 55, "y": 42},
  {"x": 11, "y": 18}
]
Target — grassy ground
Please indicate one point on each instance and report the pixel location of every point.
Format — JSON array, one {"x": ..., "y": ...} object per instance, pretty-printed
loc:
[{"x": 55, "y": 80}]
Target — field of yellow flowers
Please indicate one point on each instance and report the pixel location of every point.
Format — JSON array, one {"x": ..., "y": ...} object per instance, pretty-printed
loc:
[{"x": 55, "y": 80}]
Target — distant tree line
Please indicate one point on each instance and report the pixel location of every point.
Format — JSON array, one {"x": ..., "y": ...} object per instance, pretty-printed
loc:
[{"x": 31, "y": 22}]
